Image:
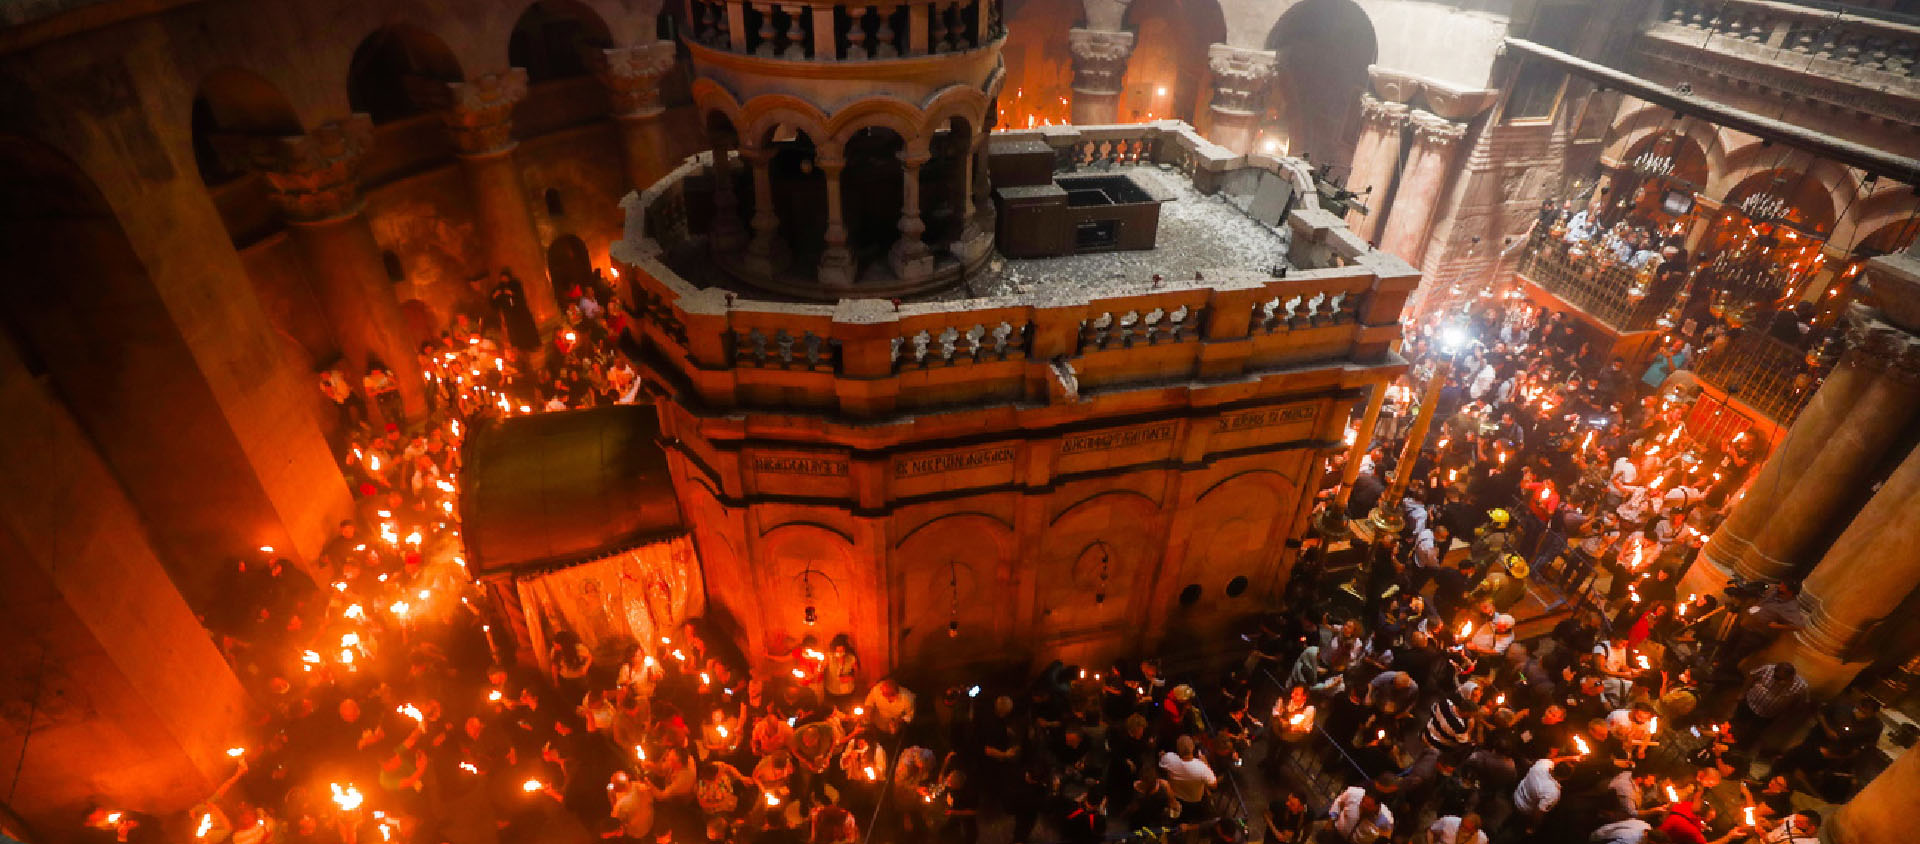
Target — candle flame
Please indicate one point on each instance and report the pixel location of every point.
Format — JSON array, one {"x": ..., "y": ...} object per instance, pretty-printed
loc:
[
  {"x": 413, "y": 712},
  {"x": 1580, "y": 743},
  {"x": 799, "y": 675},
  {"x": 354, "y": 611},
  {"x": 1672, "y": 795},
  {"x": 772, "y": 799},
  {"x": 1750, "y": 821},
  {"x": 236, "y": 752},
  {"x": 531, "y": 786},
  {"x": 869, "y": 771},
  {"x": 206, "y": 825},
  {"x": 1466, "y": 629},
  {"x": 640, "y": 752},
  {"x": 494, "y": 696},
  {"x": 1298, "y": 719},
  {"x": 350, "y": 640},
  {"x": 346, "y": 798}
]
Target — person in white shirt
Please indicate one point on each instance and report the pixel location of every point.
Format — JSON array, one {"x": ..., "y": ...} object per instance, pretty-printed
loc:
[
  {"x": 1493, "y": 638},
  {"x": 1629, "y": 831},
  {"x": 1456, "y": 830},
  {"x": 1358, "y": 818},
  {"x": 1539, "y": 790},
  {"x": 1802, "y": 827},
  {"x": 1189, "y": 776},
  {"x": 888, "y": 706}
]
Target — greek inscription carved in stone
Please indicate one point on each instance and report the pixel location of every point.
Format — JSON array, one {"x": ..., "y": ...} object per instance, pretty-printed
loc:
[
  {"x": 1266, "y": 417},
  {"x": 907, "y": 467},
  {"x": 1103, "y": 440},
  {"x": 825, "y": 466}
]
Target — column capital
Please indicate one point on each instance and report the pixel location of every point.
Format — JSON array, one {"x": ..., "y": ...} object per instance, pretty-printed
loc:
[
  {"x": 1099, "y": 59},
  {"x": 1382, "y": 113},
  {"x": 1435, "y": 130},
  {"x": 1392, "y": 85},
  {"x": 481, "y": 111},
  {"x": 1879, "y": 345},
  {"x": 1240, "y": 76},
  {"x": 315, "y": 177},
  {"x": 632, "y": 77}
]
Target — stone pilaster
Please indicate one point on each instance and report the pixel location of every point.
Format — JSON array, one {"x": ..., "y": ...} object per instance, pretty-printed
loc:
[
  {"x": 1376, "y": 161},
  {"x": 1099, "y": 66},
  {"x": 1240, "y": 79},
  {"x": 1436, "y": 146},
  {"x": 313, "y": 179},
  {"x": 632, "y": 77},
  {"x": 480, "y": 118}
]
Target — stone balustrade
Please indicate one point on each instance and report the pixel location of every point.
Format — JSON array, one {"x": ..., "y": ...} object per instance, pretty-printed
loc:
[
  {"x": 875, "y": 357},
  {"x": 829, "y": 31},
  {"x": 1885, "y": 44}
]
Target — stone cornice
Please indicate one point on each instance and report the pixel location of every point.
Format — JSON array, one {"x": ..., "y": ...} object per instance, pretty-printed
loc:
[
  {"x": 632, "y": 77},
  {"x": 1879, "y": 345},
  {"x": 1670, "y": 46},
  {"x": 1448, "y": 101},
  {"x": 1099, "y": 59},
  {"x": 481, "y": 113}
]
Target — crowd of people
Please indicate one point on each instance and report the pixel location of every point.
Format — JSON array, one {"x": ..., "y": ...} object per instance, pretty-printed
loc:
[{"x": 393, "y": 707}]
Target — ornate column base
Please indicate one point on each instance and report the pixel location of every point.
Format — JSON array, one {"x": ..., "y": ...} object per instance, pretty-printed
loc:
[
  {"x": 973, "y": 245},
  {"x": 911, "y": 260},
  {"x": 837, "y": 267}
]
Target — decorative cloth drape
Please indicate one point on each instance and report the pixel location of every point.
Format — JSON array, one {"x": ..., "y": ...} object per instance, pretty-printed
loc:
[{"x": 635, "y": 596}]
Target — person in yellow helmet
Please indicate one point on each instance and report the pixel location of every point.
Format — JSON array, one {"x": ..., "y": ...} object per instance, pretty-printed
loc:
[{"x": 1492, "y": 540}]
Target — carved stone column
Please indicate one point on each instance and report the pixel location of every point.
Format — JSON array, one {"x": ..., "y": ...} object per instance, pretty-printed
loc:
[
  {"x": 1099, "y": 65},
  {"x": 1882, "y": 813},
  {"x": 632, "y": 76},
  {"x": 1824, "y": 414},
  {"x": 312, "y": 178},
  {"x": 1436, "y": 145},
  {"x": 910, "y": 257},
  {"x": 765, "y": 250},
  {"x": 1240, "y": 78},
  {"x": 1376, "y": 161},
  {"x": 1846, "y": 458},
  {"x": 726, "y": 234},
  {"x": 481, "y": 120},
  {"x": 974, "y": 241},
  {"x": 836, "y": 260}
]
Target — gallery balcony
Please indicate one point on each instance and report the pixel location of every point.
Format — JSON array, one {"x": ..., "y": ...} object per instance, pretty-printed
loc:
[{"x": 1613, "y": 297}]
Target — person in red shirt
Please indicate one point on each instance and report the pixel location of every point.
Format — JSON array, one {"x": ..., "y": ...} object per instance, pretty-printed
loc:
[{"x": 1687, "y": 823}]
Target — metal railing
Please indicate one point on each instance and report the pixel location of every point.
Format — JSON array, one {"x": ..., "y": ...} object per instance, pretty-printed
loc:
[
  {"x": 1610, "y": 292},
  {"x": 1764, "y": 373}
]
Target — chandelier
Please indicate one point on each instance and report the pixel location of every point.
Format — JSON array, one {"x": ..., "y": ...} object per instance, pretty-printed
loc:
[
  {"x": 1651, "y": 163},
  {"x": 1764, "y": 207}
]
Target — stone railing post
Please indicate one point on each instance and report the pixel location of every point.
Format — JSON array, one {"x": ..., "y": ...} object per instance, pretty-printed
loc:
[{"x": 910, "y": 257}]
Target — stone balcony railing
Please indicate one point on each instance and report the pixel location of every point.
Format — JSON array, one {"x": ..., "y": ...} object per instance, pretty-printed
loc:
[
  {"x": 1611, "y": 293},
  {"x": 1862, "y": 62},
  {"x": 874, "y": 358},
  {"x": 818, "y": 30},
  {"x": 1772, "y": 377}
]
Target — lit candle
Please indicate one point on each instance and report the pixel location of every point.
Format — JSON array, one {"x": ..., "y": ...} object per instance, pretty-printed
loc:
[
  {"x": 1580, "y": 743},
  {"x": 531, "y": 786},
  {"x": 236, "y": 752}
]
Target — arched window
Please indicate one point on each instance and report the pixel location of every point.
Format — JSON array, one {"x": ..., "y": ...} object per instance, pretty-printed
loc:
[
  {"x": 400, "y": 71},
  {"x": 555, "y": 208},
  {"x": 557, "y": 39},
  {"x": 396, "y": 272}
]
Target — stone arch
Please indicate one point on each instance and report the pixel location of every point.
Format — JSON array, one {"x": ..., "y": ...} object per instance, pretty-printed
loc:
[
  {"x": 944, "y": 568},
  {"x": 802, "y": 564},
  {"x": 1815, "y": 201},
  {"x": 399, "y": 71},
  {"x": 962, "y": 101},
  {"x": 1109, "y": 493},
  {"x": 1038, "y": 61},
  {"x": 234, "y": 110},
  {"x": 767, "y": 112},
  {"x": 568, "y": 265},
  {"x": 557, "y": 39},
  {"x": 1690, "y": 161},
  {"x": 85, "y": 312},
  {"x": 710, "y": 96},
  {"x": 1323, "y": 49},
  {"x": 1876, "y": 208},
  {"x": 1167, "y": 73},
  {"x": 879, "y": 112},
  {"x": 1748, "y": 160},
  {"x": 1273, "y": 480}
]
